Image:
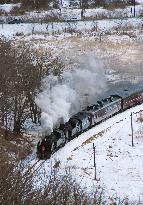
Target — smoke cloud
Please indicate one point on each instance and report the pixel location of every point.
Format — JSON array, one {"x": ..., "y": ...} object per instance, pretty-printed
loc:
[{"x": 66, "y": 95}]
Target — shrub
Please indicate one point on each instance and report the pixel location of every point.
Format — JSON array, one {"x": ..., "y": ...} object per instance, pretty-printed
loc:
[
  {"x": 16, "y": 10},
  {"x": 34, "y": 4}
]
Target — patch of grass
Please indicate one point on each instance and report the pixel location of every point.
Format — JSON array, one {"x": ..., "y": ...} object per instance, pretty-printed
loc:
[
  {"x": 115, "y": 5},
  {"x": 14, "y": 144},
  {"x": 76, "y": 148},
  {"x": 57, "y": 164},
  {"x": 2, "y": 12},
  {"x": 19, "y": 34},
  {"x": 97, "y": 17},
  {"x": 69, "y": 158},
  {"x": 141, "y": 14},
  {"x": 16, "y": 10},
  {"x": 140, "y": 118},
  {"x": 100, "y": 134}
]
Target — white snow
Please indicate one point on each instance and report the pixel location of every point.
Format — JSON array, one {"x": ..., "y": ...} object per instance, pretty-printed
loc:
[
  {"x": 139, "y": 1},
  {"x": 8, "y": 7},
  {"x": 119, "y": 165},
  {"x": 10, "y": 30}
]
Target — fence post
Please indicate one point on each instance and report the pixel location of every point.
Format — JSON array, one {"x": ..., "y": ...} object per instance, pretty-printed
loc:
[
  {"x": 94, "y": 161},
  {"x": 132, "y": 129}
]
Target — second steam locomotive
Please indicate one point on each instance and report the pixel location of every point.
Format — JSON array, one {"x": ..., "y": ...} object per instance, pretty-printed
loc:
[{"x": 86, "y": 119}]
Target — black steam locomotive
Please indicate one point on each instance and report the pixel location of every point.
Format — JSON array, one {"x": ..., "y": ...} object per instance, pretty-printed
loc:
[{"x": 86, "y": 119}]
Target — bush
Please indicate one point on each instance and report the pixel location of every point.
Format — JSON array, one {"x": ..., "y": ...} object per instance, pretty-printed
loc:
[
  {"x": 115, "y": 5},
  {"x": 34, "y": 4},
  {"x": 16, "y": 187},
  {"x": 2, "y": 12},
  {"x": 20, "y": 81},
  {"x": 16, "y": 10}
]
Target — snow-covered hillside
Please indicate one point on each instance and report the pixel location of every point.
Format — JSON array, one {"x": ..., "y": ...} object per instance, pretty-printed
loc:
[
  {"x": 119, "y": 165},
  {"x": 36, "y": 28}
]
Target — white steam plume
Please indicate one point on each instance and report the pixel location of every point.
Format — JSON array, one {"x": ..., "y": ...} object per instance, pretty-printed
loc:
[{"x": 76, "y": 89}]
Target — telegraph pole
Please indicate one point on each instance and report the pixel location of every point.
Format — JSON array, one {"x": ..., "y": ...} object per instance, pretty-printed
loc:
[
  {"x": 94, "y": 161},
  {"x": 132, "y": 129},
  {"x": 134, "y": 2}
]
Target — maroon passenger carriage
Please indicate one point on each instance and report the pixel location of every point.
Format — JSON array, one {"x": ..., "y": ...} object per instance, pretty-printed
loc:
[{"x": 132, "y": 100}]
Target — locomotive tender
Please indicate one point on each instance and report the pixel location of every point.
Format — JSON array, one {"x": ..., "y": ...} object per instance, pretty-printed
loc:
[{"x": 86, "y": 119}]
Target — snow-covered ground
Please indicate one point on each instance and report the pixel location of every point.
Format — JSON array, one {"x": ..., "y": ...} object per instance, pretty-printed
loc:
[
  {"x": 10, "y": 30},
  {"x": 119, "y": 166},
  {"x": 7, "y": 7},
  {"x": 69, "y": 13},
  {"x": 140, "y": 1},
  {"x": 120, "y": 45}
]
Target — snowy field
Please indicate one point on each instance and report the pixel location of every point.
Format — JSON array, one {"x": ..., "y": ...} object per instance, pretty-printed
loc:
[
  {"x": 119, "y": 165},
  {"x": 66, "y": 13},
  {"x": 44, "y": 28},
  {"x": 118, "y": 46},
  {"x": 115, "y": 41}
]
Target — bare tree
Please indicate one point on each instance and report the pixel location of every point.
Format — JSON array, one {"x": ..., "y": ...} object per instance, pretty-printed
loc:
[
  {"x": 35, "y": 4},
  {"x": 21, "y": 73}
]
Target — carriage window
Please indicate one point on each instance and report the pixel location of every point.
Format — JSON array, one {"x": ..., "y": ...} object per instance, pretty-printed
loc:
[
  {"x": 109, "y": 109},
  {"x": 114, "y": 106}
]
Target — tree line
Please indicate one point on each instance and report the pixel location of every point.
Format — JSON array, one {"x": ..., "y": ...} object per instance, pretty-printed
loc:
[
  {"x": 83, "y": 4},
  {"x": 21, "y": 74}
]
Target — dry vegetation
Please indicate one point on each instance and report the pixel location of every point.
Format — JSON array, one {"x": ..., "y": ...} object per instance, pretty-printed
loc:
[
  {"x": 120, "y": 47},
  {"x": 16, "y": 188},
  {"x": 91, "y": 139},
  {"x": 116, "y": 5},
  {"x": 140, "y": 118},
  {"x": 20, "y": 82},
  {"x": 27, "y": 6}
]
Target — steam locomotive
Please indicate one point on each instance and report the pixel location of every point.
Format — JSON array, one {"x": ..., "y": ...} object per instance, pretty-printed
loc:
[{"x": 86, "y": 119}]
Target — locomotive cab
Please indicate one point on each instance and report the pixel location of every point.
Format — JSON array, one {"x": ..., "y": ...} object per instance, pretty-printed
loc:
[
  {"x": 59, "y": 139},
  {"x": 44, "y": 148}
]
